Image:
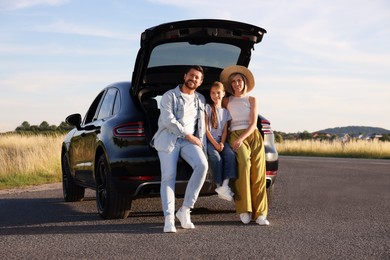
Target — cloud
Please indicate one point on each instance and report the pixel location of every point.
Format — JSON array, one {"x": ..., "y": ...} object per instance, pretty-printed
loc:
[
  {"x": 21, "y": 4},
  {"x": 78, "y": 29},
  {"x": 321, "y": 64},
  {"x": 49, "y": 96},
  {"x": 57, "y": 49},
  {"x": 34, "y": 82}
]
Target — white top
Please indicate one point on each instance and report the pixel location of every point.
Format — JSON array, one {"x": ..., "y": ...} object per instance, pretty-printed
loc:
[
  {"x": 223, "y": 116},
  {"x": 190, "y": 113},
  {"x": 239, "y": 108}
]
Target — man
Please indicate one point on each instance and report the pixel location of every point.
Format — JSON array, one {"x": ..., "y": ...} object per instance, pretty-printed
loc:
[{"x": 181, "y": 132}]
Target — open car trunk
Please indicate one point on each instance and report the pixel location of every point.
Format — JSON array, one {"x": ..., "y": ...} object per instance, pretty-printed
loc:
[{"x": 168, "y": 50}]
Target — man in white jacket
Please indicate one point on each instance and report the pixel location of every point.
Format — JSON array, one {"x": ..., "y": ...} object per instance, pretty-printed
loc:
[{"x": 181, "y": 132}]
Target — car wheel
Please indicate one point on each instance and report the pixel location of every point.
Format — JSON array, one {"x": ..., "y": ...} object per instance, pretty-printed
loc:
[
  {"x": 71, "y": 191},
  {"x": 110, "y": 204}
]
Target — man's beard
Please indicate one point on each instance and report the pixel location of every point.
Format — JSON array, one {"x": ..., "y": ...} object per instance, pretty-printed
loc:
[{"x": 189, "y": 86}]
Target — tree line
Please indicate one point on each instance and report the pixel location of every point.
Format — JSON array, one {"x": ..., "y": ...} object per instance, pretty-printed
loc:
[
  {"x": 43, "y": 128},
  {"x": 63, "y": 127}
]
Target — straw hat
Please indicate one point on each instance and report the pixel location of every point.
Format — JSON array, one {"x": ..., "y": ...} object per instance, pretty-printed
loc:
[{"x": 225, "y": 74}]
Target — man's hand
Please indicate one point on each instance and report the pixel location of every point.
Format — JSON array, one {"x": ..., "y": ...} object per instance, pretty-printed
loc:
[{"x": 194, "y": 140}]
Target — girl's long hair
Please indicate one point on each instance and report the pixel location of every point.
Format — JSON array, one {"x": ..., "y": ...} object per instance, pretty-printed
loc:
[{"x": 214, "y": 118}]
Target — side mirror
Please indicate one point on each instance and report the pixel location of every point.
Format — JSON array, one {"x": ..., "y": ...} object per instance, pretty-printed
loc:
[{"x": 75, "y": 120}]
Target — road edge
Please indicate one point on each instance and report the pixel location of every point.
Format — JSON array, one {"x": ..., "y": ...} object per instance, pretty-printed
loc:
[{"x": 50, "y": 186}]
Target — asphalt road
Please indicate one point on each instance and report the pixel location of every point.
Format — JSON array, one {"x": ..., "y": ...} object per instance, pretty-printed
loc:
[{"x": 323, "y": 208}]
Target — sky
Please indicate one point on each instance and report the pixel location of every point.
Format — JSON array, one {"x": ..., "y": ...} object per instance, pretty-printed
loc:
[{"x": 321, "y": 64}]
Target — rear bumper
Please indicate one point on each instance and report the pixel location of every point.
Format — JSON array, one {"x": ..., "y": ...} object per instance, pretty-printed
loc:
[
  {"x": 138, "y": 177},
  {"x": 141, "y": 177}
]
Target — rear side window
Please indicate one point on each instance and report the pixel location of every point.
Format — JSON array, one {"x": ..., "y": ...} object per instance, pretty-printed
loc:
[
  {"x": 107, "y": 107},
  {"x": 92, "y": 109},
  {"x": 117, "y": 104}
]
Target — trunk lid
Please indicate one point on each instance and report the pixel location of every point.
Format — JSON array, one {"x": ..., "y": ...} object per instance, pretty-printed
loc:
[{"x": 168, "y": 49}]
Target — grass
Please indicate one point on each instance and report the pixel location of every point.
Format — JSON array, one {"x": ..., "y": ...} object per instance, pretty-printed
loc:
[
  {"x": 27, "y": 160},
  {"x": 353, "y": 149}
]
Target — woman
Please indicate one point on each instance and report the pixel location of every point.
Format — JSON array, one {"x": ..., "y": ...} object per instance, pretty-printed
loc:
[{"x": 247, "y": 142}]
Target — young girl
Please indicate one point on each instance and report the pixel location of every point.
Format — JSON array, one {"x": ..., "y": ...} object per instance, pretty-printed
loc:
[
  {"x": 222, "y": 159},
  {"x": 245, "y": 139}
]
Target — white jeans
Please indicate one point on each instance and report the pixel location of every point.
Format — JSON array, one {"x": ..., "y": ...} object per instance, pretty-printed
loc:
[{"x": 196, "y": 158}]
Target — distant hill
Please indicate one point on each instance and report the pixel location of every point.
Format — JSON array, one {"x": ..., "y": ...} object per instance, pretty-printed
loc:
[{"x": 355, "y": 130}]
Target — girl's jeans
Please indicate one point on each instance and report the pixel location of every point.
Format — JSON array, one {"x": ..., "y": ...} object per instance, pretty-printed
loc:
[{"x": 223, "y": 164}]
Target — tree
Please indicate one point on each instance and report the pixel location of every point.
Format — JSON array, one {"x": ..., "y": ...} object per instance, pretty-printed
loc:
[
  {"x": 305, "y": 135},
  {"x": 278, "y": 138},
  {"x": 25, "y": 126},
  {"x": 64, "y": 127},
  {"x": 385, "y": 137},
  {"x": 44, "y": 126},
  {"x": 34, "y": 129}
]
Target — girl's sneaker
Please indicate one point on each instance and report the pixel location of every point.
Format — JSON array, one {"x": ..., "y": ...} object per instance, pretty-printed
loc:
[{"x": 224, "y": 192}]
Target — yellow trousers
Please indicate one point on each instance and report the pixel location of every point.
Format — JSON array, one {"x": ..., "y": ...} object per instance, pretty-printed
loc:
[{"x": 250, "y": 185}]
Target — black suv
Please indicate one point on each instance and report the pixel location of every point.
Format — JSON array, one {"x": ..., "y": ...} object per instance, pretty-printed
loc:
[{"x": 109, "y": 151}]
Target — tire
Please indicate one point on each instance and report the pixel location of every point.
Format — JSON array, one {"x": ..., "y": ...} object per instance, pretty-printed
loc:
[
  {"x": 110, "y": 204},
  {"x": 70, "y": 190}
]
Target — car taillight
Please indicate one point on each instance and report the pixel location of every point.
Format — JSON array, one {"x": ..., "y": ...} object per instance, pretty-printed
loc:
[
  {"x": 265, "y": 127},
  {"x": 271, "y": 173},
  {"x": 137, "y": 178},
  {"x": 135, "y": 129}
]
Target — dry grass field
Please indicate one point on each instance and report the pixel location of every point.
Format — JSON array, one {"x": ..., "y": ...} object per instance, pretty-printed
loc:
[
  {"x": 352, "y": 149},
  {"x": 27, "y": 160}
]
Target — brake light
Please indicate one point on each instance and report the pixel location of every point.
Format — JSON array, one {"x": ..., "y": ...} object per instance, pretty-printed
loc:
[
  {"x": 271, "y": 173},
  {"x": 133, "y": 129},
  {"x": 137, "y": 178},
  {"x": 265, "y": 127}
]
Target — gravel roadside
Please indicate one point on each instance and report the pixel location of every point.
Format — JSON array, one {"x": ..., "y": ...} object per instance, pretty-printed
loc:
[{"x": 51, "y": 186}]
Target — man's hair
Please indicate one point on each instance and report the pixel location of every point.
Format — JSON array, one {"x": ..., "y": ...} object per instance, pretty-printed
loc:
[{"x": 196, "y": 67}]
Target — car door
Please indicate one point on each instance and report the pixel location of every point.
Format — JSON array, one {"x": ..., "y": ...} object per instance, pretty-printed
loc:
[
  {"x": 91, "y": 137},
  {"x": 81, "y": 144}
]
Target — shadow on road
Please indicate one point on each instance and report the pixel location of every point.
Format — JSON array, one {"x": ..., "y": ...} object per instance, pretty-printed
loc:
[{"x": 32, "y": 216}]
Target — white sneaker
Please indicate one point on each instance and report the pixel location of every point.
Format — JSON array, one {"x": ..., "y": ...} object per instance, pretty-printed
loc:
[
  {"x": 185, "y": 219},
  {"x": 169, "y": 225},
  {"x": 224, "y": 192},
  {"x": 245, "y": 218},
  {"x": 262, "y": 221}
]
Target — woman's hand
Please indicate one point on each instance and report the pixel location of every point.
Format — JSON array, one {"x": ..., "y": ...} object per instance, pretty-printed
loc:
[{"x": 236, "y": 144}]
